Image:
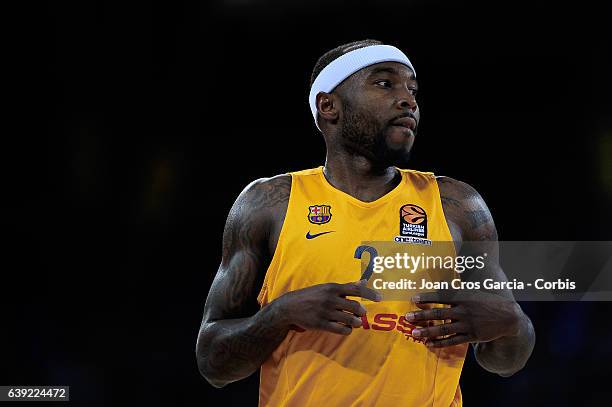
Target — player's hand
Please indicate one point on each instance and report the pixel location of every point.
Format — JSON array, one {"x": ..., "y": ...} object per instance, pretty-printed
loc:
[
  {"x": 475, "y": 316},
  {"x": 325, "y": 306}
]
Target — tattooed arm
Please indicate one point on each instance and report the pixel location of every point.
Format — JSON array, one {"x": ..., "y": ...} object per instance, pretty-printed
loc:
[
  {"x": 502, "y": 335},
  {"x": 509, "y": 352},
  {"x": 234, "y": 338}
]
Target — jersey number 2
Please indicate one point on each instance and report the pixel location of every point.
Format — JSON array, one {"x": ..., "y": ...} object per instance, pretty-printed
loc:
[{"x": 367, "y": 273}]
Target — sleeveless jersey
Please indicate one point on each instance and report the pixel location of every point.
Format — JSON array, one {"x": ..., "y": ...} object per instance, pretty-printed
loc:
[{"x": 379, "y": 363}]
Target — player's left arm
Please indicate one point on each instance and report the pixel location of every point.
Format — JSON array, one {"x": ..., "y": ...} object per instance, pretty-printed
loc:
[{"x": 502, "y": 334}]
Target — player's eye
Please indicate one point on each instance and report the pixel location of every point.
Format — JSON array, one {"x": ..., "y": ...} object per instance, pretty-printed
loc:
[
  {"x": 414, "y": 91},
  {"x": 384, "y": 83}
]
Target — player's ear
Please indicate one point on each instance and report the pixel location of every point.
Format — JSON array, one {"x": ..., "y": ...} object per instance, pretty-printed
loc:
[{"x": 327, "y": 106}]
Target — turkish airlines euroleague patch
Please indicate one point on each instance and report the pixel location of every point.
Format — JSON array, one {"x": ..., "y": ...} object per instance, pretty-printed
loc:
[{"x": 413, "y": 225}]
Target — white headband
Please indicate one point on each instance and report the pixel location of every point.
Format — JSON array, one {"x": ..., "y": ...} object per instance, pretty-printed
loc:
[{"x": 346, "y": 65}]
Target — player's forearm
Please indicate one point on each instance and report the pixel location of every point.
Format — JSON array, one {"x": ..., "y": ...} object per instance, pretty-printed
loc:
[
  {"x": 508, "y": 354},
  {"x": 232, "y": 349}
]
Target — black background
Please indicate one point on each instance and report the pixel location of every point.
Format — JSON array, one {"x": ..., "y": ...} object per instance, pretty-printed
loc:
[{"x": 138, "y": 124}]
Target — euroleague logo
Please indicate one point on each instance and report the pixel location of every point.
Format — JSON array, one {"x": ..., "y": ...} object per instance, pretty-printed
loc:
[{"x": 413, "y": 225}]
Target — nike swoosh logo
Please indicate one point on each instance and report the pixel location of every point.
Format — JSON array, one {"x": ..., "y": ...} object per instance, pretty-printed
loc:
[{"x": 309, "y": 236}]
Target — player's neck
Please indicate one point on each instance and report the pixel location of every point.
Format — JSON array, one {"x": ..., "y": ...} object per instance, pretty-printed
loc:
[{"x": 357, "y": 177}]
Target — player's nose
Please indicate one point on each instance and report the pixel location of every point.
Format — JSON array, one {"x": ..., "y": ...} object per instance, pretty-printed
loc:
[{"x": 407, "y": 101}]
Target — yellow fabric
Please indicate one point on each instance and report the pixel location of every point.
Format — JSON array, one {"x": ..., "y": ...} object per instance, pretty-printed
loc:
[{"x": 378, "y": 364}]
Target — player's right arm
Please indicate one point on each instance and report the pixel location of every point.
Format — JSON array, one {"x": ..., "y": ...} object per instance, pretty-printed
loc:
[{"x": 235, "y": 337}]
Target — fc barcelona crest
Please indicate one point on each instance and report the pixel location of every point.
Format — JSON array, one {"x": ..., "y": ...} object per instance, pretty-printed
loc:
[{"x": 319, "y": 214}]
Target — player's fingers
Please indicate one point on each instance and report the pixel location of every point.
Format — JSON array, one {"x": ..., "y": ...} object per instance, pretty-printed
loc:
[
  {"x": 439, "y": 330},
  {"x": 423, "y": 305},
  {"x": 345, "y": 318},
  {"x": 359, "y": 289},
  {"x": 337, "y": 328},
  {"x": 439, "y": 297},
  {"x": 453, "y": 340},
  {"x": 431, "y": 314},
  {"x": 351, "y": 306}
]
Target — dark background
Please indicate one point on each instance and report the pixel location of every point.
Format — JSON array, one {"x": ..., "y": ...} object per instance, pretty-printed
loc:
[{"x": 138, "y": 124}]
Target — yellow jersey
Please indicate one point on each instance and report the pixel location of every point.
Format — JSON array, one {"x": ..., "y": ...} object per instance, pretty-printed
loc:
[{"x": 379, "y": 363}]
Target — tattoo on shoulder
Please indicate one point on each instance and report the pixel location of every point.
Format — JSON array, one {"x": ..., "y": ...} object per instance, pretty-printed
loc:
[
  {"x": 257, "y": 200},
  {"x": 478, "y": 217},
  {"x": 269, "y": 192},
  {"x": 450, "y": 201},
  {"x": 463, "y": 205}
]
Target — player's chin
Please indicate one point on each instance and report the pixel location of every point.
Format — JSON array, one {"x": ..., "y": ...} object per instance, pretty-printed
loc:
[
  {"x": 400, "y": 138},
  {"x": 399, "y": 141}
]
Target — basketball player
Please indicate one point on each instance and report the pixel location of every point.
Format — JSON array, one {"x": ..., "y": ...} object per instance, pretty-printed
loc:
[{"x": 279, "y": 300}]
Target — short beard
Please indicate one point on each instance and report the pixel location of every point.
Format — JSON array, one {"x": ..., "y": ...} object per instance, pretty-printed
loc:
[{"x": 362, "y": 135}]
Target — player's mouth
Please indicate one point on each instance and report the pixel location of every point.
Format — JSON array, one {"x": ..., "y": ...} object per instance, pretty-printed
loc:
[{"x": 406, "y": 122}]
